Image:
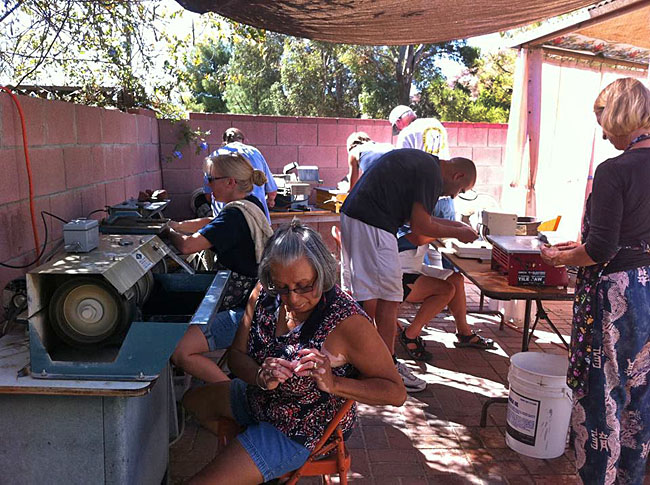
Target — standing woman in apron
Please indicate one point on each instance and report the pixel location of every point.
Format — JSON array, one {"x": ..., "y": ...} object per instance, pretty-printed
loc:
[{"x": 609, "y": 359}]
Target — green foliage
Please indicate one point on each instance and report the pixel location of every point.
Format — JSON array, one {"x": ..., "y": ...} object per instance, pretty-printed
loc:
[
  {"x": 254, "y": 72},
  {"x": 316, "y": 81},
  {"x": 482, "y": 94},
  {"x": 205, "y": 75}
]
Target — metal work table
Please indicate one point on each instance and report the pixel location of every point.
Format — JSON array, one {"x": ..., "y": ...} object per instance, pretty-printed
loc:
[
  {"x": 80, "y": 432},
  {"x": 493, "y": 284}
]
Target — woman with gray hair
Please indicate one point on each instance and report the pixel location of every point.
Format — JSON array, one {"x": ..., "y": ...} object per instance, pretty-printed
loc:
[{"x": 302, "y": 348}]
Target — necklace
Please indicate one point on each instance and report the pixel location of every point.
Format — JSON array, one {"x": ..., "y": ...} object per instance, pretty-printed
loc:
[{"x": 638, "y": 139}]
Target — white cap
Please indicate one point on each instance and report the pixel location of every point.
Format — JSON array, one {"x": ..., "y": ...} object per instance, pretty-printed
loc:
[{"x": 396, "y": 113}]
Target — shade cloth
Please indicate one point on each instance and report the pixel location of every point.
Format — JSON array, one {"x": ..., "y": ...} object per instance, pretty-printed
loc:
[{"x": 385, "y": 22}]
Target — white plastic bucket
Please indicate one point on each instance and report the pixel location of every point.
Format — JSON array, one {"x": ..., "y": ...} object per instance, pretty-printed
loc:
[{"x": 539, "y": 404}]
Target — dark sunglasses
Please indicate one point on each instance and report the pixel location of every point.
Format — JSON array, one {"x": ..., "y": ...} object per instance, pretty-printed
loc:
[{"x": 210, "y": 178}]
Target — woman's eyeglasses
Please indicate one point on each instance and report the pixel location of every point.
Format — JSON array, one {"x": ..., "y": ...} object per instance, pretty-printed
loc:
[{"x": 299, "y": 290}]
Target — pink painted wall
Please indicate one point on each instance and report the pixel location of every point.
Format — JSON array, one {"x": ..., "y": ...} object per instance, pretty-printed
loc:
[
  {"x": 82, "y": 158},
  {"x": 316, "y": 141},
  {"x": 85, "y": 158}
]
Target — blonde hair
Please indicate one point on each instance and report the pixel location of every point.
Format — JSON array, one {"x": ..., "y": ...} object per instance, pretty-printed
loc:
[
  {"x": 357, "y": 138},
  {"x": 625, "y": 107},
  {"x": 232, "y": 164}
]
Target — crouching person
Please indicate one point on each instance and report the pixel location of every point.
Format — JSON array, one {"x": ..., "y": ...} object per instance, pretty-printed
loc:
[{"x": 302, "y": 348}]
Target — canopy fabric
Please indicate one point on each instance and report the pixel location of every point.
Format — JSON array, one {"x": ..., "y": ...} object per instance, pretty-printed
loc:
[{"x": 385, "y": 22}]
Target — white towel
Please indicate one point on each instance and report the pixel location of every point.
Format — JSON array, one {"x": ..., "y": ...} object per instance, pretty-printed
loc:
[{"x": 257, "y": 222}]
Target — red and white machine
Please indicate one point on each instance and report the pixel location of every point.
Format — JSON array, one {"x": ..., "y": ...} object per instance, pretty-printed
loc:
[{"x": 519, "y": 257}]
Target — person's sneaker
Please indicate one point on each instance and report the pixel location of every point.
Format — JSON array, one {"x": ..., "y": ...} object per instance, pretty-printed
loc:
[{"x": 412, "y": 383}]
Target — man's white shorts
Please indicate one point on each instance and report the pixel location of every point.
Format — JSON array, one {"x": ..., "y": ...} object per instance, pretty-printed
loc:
[{"x": 371, "y": 266}]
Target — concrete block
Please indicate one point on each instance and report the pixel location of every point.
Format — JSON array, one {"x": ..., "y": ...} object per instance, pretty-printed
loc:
[
  {"x": 129, "y": 127},
  {"x": 129, "y": 160},
  {"x": 113, "y": 163},
  {"x": 461, "y": 152},
  {"x": 113, "y": 126},
  {"x": 470, "y": 136},
  {"x": 99, "y": 154},
  {"x": 93, "y": 198},
  {"x": 258, "y": 133},
  {"x": 79, "y": 166},
  {"x": 317, "y": 155},
  {"x": 89, "y": 124},
  {"x": 152, "y": 158},
  {"x": 497, "y": 136},
  {"x": 33, "y": 110},
  {"x": 20, "y": 238},
  {"x": 333, "y": 134},
  {"x": 277, "y": 156},
  {"x": 488, "y": 156},
  {"x": 179, "y": 208},
  {"x": 143, "y": 124},
  {"x": 452, "y": 135},
  {"x": 60, "y": 122},
  {"x": 141, "y": 160},
  {"x": 331, "y": 176},
  {"x": 155, "y": 132},
  {"x": 378, "y": 130},
  {"x": 301, "y": 134},
  {"x": 10, "y": 181},
  {"x": 48, "y": 170},
  {"x": 342, "y": 157},
  {"x": 489, "y": 174},
  {"x": 66, "y": 205},
  {"x": 182, "y": 181}
]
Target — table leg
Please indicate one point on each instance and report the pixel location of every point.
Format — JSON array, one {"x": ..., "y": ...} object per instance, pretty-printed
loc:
[
  {"x": 525, "y": 338},
  {"x": 487, "y": 404}
]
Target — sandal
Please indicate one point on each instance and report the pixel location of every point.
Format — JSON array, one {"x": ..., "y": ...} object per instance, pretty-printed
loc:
[
  {"x": 474, "y": 340},
  {"x": 419, "y": 352}
]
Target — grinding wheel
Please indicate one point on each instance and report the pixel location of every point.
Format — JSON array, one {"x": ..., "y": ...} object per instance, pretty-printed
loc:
[{"x": 88, "y": 311}]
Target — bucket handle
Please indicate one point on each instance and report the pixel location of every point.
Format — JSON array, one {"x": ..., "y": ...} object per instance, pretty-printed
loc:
[{"x": 567, "y": 393}]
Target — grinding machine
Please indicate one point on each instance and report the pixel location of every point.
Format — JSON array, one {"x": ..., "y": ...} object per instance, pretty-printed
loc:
[{"x": 114, "y": 313}]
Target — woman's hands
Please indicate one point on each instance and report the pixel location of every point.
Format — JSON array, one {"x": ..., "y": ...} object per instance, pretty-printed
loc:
[
  {"x": 553, "y": 256},
  {"x": 317, "y": 365},
  {"x": 312, "y": 363},
  {"x": 275, "y": 371}
]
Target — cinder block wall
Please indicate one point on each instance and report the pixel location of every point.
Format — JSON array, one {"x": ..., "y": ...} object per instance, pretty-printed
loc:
[
  {"x": 82, "y": 158},
  {"x": 315, "y": 141}
]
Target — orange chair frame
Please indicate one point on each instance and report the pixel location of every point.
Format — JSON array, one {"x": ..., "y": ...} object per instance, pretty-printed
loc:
[{"x": 330, "y": 456}]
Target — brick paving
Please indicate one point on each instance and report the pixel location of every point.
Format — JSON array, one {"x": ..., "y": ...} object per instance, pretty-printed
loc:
[{"x": 435, "y": 437}]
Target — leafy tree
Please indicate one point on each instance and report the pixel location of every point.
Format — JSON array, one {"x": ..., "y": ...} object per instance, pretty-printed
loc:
[
  {"x": 107, "y": 48},
  {"x": 481, "y": 94},
  {"x": 253, "y": 72},
  {"x": 316, "y": 81},
  {"x": 206, "y": 68}
]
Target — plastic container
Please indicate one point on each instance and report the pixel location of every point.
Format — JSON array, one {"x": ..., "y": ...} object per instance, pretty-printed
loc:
[{"x": 539, "y": 404}]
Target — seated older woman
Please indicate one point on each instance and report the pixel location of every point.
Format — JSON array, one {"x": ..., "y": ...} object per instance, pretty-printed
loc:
[{"x": 303, "y": 348}]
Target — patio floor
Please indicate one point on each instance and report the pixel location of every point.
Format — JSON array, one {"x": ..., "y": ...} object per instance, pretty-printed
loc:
[{"x": 435, "y": 437}]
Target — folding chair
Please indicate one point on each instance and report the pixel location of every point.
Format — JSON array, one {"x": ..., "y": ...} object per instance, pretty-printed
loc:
[{"x": 330, "y": 456}]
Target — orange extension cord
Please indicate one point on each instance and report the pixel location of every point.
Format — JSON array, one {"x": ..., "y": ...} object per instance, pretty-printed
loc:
[{"x": 28, "y": 165}]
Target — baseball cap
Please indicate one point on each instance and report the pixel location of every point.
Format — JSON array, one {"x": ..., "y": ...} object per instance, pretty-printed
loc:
[{"x": 396, "y": 114}]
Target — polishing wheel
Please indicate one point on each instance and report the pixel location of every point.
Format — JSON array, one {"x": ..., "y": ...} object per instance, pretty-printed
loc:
[{"x": 88, "y": 311}]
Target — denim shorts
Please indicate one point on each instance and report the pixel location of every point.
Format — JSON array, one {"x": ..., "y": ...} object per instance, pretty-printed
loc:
[
  {"x": 220, "y": 330},
  {"x": 273, "y": 452}
]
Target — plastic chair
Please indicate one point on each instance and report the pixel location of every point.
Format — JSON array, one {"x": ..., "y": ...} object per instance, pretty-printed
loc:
[
  {"x": 550, "y": 225},
  {"x": 330, "y": 456}
]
